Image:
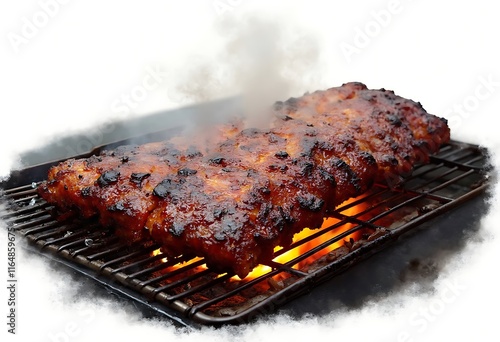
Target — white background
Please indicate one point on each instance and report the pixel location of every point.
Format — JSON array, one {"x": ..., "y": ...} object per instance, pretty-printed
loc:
[{"x": 66, "y": 66}]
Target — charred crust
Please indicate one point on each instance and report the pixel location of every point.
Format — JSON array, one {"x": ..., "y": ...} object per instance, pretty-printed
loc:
[
  {"x": 285, "y": 117},
  {"x": 285, "y": 215},
  {"x": 186, "y": 172},
  {"x": 273, "y": 138},
  {"x": 108, "y": 177},
  {"x": 327, "y": 176},
  {"x": 310, "y": 202},
  {"x": 307, "y": 168},
  {"x": 138, "y": 177},
  {"x": 219, "y": 212},
  {"x": 230, "y": 225},
  {"x": 341, "y": 164},
  {"x": 311, "y": 132},
  {"x": 118, "y": 206},
  {"x": 176, "y": 229},
  {"x": 281, "y": 154},
  {"x": 85, "y": 192},
  {"x": 220, "y": 236},
  {"x": 354, "y": 179},
  {"x": 164, "y": 188},
  {"x": 292, "y": 103},
  {"x": 264, "y": 211},
  {"x": 252, "y": 173},
  {"x": 368, "y": 157},
  {"x": 308, "y": 145},
  {"x": 394, "y": 120},
  {"x": 389, "y": 159},
  {"x": 218, "y": 161},
  {"x": 192, "y": 152}
]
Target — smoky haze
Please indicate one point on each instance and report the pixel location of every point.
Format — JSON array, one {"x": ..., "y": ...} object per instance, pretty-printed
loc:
[
  {"x": 63, "y": 77},
  {"x": 259, "y": 61}
]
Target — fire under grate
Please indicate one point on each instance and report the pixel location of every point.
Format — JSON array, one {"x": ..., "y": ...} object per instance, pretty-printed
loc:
[{"x": 187, "y": 290}]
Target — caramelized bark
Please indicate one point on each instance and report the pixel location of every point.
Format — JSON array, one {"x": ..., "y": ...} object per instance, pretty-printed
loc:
[{"x": 234, "y": 200}]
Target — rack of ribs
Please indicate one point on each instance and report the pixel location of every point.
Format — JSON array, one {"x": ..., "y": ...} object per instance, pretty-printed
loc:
[{"x": 234, "y": 199}]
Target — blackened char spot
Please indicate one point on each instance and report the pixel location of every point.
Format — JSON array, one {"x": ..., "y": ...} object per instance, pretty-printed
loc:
[
  {"x": 273, "y": 138},
  {"x": 310, "y": 202},
  {"x": 218, "y": 161},
  {"x": 368, "y": 157},
  {"x": 264, "y": 211},
  {"x": 138, "y": 177},
  {"x": 220, "y": 236},
  {"x": 186, "y": 172},
  {"x": 176, "y": 229},
  {"x": 108, "y": 177},
  {"x": 292, "y": 104},
  {"x": 219, "y": 212},
  {"x": 307, "y": 169},
  {"x": 354, "y": 179},
  {"x": 281, "y": 154},
  {"x": 389, "y": 159},
  {"x": 328, "y": 176},
  {"x": 308, "y": 145},
  {"x": 85, "y": 191},
  {"x": 393, "y": 120},
  {"x": 164, "y": 188},
  {"x": 193, "y": 152},
  {"x": 118, "y": 206}
]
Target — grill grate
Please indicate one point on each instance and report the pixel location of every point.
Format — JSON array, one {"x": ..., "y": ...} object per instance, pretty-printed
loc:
[{"x": 185, "y": 289}]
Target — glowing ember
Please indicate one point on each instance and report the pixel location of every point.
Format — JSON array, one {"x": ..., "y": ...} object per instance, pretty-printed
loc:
[
  {"x": 303, "y": 242},
  {"x": 322, "y": 237}
]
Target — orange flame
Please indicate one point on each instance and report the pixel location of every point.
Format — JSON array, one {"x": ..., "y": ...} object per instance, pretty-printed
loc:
[
  {"x": 322, "y": 238},
  {"x": 302, "y": 248}
]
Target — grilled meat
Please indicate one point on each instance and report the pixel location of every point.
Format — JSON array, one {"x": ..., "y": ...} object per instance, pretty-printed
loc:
[{"x": 234, "y": 200}]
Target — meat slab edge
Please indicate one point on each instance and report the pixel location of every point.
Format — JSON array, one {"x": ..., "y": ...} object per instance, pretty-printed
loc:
[{"x": 233, "y": 197}]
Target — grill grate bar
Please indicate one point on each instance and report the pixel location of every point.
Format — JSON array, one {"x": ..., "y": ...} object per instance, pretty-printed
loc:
[
  {"x": 139, "y": 263},
  {"x": 94, "y": 246},
  {"x": 187, "y": 280},
  {"x": 20, "y": 189},
  {"x": 243, "y": 286},
  {"x": 19, "y": 213},
  {"x": 454, "y": 175},
  {"x": 49, "y": 230},
  {"x": 33, "y": 224},
  {"x": 115, "y": 246},
  {"x": 130, "y": 256},
  {"x": 158, "y": 267},
  {"x": 173, "y": 273}
]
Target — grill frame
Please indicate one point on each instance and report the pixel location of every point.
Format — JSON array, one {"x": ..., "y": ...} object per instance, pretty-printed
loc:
[{"x": 39, "y": 227}]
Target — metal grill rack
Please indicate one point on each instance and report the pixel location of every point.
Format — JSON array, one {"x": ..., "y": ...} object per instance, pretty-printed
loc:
[{"x": 187, "y": 290}]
